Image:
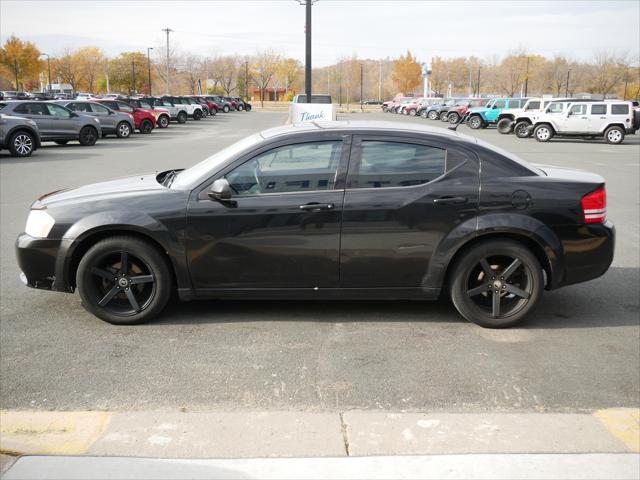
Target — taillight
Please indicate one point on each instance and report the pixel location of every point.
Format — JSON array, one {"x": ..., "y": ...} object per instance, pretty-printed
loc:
[{"x": 594, "y": 206}]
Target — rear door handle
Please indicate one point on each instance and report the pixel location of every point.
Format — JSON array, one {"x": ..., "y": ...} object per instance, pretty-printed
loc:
[
  {"x": 449, "y": 200},
  {"x": 316, "y": 207}
]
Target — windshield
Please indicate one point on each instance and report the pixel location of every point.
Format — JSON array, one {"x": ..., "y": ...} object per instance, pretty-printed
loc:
[{"x": 192, "y": 176}]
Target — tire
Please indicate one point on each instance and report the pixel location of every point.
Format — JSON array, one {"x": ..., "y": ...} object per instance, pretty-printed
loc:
[
  {"x": 475, "y": 122},
  {"x": 543, "y": 133},
  {"x": 225, "y": 109},
  {"x": 123, "y": 130},
  {"x": 247, "y": 108},
  {"x": 21, "y": 144},
  {"x": 88, "y": 136},
  {"x": 412, "y": 112},
  {"x": 163, "y": 121},
  {"x": 197, "y": 115},
  {"x": 505, "y": 126},
  {"x": 126, "y": 296},
  {"x": 443, "y": 116},
  {"x": 432, "y": 114},
  {"x": 423, "y": 114},
  {"x": 146, "y": 126},
  {"x": 454, "y": 117},
  {"x": 522, "y": 129},
  {"x": 483, "y": 295},
  {"x": 182, "y": 117},
  {"x": 240, "y": 108},
  {"x": 61, "y": 142},
  {"x": 614, "y": 135},
  {"x": 205, "y": 112},
  {"x": 385, "y": 109}
]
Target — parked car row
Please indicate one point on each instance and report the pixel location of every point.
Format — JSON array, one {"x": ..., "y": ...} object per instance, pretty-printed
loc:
[
  {"x": 542, "y": 118},
  {"x": 25, "y": 124}
]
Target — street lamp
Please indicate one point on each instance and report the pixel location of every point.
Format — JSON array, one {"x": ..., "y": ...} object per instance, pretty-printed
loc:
[
  {"x": 566, "y": 89},
  {"x": 49, "y": 68},
  {"x": 149, "y": 67},
  {"x": 307, "y": 33}
]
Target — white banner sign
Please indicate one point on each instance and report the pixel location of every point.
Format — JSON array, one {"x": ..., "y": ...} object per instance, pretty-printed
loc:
[{"x": 311, "y": 112}]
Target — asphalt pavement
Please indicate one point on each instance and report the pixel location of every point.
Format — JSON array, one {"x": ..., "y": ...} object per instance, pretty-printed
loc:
[{"x": 578, "y": 351}]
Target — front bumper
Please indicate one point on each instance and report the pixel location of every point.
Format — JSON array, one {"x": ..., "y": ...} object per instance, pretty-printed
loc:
[{"x": 37, "y": 260}]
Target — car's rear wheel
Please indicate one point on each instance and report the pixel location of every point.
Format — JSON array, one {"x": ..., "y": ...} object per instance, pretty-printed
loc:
[
  {"x": 225, "y": 109},
  {"x": 88, "y": 136},
  {"x": 496, "y": 283},
  {"x": 522, "y": 129},
  {"x": 247, "y": 108},
  {"x": 412, "y": 112},
  {"x": 475, "y": 122},
  {"x": 182, "y": 117},
  {"x": 163, "y": 121},
  {"x": 240, "y": 108},
  {"x": 505, "y": 126},
  {"x": 124, "y": 280},
  {"x": 197, "y": 115},
  {"x": 423, "y": 114},
  {"x": 21, "y": 144},
  {"x": 614, "y": 135},
  {"x": 61, "y": 142},
  {"x": 543, "y": 133},
  {"x": 433, "y": 115},
  {"x": 453, "y": 117},
  {"x": 384, "y": 109},
  {"x": 123, "y": 130},
  {"x": 146, "y": 126}
]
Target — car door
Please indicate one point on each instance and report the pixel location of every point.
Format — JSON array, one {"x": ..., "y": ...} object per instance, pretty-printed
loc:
[
  {"x": 575, "y": 120},
  {"x": 492, "y": 114},
  {"x": 39, "y": 113},
  {"x": 64, "y": 125},
  {"x": 403, "y": 196},
  {"x": 282, "y": 228},
  {"x": 107, "y": 119}
]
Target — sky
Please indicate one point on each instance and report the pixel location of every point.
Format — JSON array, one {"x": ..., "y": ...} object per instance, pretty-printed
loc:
[{"x": 370, "y": 29}]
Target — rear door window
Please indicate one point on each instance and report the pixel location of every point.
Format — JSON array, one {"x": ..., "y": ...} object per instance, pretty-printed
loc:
[
  {"x": 598, "y": 109},
  {"x": 385, "y": 164},
  {"x": 124, "y": 107}
]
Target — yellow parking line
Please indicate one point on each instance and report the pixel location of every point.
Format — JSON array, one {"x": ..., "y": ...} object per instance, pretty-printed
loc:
[
  {"x": 70, "y": 433},
  {"x": 624, "y": 424}
]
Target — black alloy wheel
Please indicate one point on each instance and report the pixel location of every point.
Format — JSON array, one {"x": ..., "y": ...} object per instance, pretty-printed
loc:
[
  {"x": 496, "y": 283},
  {"x": 88, "y": 136},
  {"x": 146, "y": 126},
  {"x": 123, "y": 280},
  {"x": 522, "y": 129}
]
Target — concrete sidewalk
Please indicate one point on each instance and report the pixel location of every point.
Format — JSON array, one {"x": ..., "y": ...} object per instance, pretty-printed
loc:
[{"x": 240, "y": 434}]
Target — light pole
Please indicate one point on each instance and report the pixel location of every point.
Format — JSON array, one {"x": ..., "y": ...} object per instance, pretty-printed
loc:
[
  {"x": 380, "y": 84},
  {"x": 246, "y": 80},
  {"x": 307, "y": 33},
  {"x": 15, "y": 67},
  {"x": 167, "y": 30},
  {"x": 626, "y": 83},
  {"x": 361, "y": 82},
  {"x": 133, "y": 76},
  {"x": 526, "y": 79},
  {"x": 479, "y": 81},
  {"x": 566, "y": 88},
  {"x": 149, "y": 67},
  {"x": 49, "y": 68}
]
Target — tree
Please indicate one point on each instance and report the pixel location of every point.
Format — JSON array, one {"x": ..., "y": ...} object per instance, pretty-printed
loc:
[
  {"x": 225, "y": 73},
  {"x": 192, "y": 68},
  {"x": 90, "y": 62},
  {"x": 21, "y": 60},
  {"x": 289, "y": 73},
  {"x": 407, "y": 73},
  {"x": 264, "y": 66},
  {"x": 128, "y": 72},
  {"x": 67, "y": 68},
  {"x": 607, "y": 71},
  {"x": 511, "y": 73}
]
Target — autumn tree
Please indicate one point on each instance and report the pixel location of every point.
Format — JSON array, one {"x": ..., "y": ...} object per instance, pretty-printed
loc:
[
  {"x": 66, "y": 67},
  {"x": 127, "y": 72},
  {"x": 90, "y": 62},
  {"x": 289, "y": 73},
  {"x": 22, "y": 61},
  {"x": 264, "y": 66},
  {"x": 225, "y": 73},
  {"x": 606, "y": 71},
  {"x": 407, "y": 73}
]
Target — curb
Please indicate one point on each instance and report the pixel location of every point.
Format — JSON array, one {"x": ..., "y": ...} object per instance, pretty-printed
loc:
[{"x": 175, "y": 434}]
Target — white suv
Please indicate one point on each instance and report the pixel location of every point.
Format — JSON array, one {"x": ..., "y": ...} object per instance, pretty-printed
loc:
[{"x": 608, "y": 119}]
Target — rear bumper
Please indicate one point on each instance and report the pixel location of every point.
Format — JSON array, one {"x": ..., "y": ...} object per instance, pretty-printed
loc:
[{"x": 588, "y": 252}]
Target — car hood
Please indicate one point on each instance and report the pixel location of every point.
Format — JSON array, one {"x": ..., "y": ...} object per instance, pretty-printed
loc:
[{"x": 119, "y": 187}]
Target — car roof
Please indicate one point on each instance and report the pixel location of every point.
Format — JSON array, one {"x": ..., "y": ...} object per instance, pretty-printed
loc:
[{"x": 361, "y": 125}]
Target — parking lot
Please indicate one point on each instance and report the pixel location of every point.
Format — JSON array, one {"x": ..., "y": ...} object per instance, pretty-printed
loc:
[{"x": 577, "y": 351}]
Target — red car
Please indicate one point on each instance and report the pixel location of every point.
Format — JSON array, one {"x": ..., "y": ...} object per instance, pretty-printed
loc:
[
  {"x": 143, "y": 120},
  {"x": 212, "y": 106},
  {"x": 457, "y": 112}
]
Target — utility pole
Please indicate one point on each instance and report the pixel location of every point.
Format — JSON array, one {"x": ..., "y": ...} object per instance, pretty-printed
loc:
[
  {"x": 49, "y": 68},
  {"x": 246, "y": 80},
  {"x": 133, "y": 76},
  {"x": 361, "y": 82},
  {"x": 167, "y": 31},
  {"x": 526, "y": 79},
  {"x": 149, "y": 67},
  {"x": 307, "y": 63},
  {"x": 380, "y": 84},
  {"x": 479, "y": 81},
  {"x": 15, "y": 66},
  {"x": 626, "y": 82},
  {"x": 566, "y": 89},
  {"x": 340, "y": 82}
]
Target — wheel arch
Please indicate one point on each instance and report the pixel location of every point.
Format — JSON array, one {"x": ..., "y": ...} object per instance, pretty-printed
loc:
[{"x": 624, "y": 130}]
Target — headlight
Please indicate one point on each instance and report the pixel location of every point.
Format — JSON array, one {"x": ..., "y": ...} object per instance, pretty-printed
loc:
[{"x": 39, "y": 224}]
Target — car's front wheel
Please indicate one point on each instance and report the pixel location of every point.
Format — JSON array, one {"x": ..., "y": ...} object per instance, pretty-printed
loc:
[
  {"x": 124, "y": 280},
  {"x": 453, "y": 117},
  {"x": 444, "y": 116},
  {"x": 240, "y": 108},
  {"x": 123, "y": 130},
  {"x": 21, "y": 144},
  {"x": 505, "y": 126},
  {"x": 385, "y": 109},
  {"x": 614, "y": 135},
  {"x": 433, "y": 115},
  {"x": 522, "y": 129},
  {"x": 163, "y": 121},
  {"x": 197, "y": 115},
  {"x": 543, "y": 133},
  {"x": 225, "y": 109},
  {"x": 475, "y": 122},
  {"x": 146, "y": 126},
  {"x": 88, "y": 136},
  {"x": 496, "y": 283}
]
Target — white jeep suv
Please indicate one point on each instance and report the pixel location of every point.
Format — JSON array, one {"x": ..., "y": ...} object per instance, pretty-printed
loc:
[{"x": 608, "y": 119}]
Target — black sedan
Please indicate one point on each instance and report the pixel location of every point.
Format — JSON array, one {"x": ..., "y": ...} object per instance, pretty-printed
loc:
[{"x": 368, "y": 210}]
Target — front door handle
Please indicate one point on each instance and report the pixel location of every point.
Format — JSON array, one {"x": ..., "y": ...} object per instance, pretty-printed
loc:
[
  {"x": 449, "y": 200},
  {"x": 316, "y": 207}
]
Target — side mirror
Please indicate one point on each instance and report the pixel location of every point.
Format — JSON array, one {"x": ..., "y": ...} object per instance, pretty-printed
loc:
[
  {"x": 221, "y": 191},
  {"x": 73, "y": 114},
  {"x": 111, "y": 112}
]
